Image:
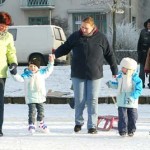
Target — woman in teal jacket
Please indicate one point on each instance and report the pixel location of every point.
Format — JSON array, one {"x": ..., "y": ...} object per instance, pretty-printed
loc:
[
  {"x": 129, "y": 87},
  {"x": 7, "y": 57}
]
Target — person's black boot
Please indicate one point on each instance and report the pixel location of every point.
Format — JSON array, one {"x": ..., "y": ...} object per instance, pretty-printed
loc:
[
  {"x": 1, "y": 133},
  {"x": 92, "y": 131},
  {"x": 77, "y": 128},
  {"x": 130, "y": 134},
  {"x": 123, "y": 134}
]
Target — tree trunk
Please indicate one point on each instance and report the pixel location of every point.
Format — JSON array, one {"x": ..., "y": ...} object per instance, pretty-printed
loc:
[
  {"x": 114, "y": 31},
  {"x": 114, "y": 25}
]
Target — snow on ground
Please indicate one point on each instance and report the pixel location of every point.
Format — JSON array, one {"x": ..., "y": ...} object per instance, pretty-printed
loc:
[{"x": 60, "y": 120}]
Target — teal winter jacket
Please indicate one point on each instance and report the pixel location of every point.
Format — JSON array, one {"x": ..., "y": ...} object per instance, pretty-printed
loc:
[{"x": 133, "y": 96}]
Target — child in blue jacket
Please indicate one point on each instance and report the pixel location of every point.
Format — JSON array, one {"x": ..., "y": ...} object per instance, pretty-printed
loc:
[{"x": 129, "y": 87}]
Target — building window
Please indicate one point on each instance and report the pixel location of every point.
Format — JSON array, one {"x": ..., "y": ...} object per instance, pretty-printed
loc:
[
  {"x": 2, "y": 1},
  {"x": 38, "y": 20},
  {"x": 134, "y": 21}
]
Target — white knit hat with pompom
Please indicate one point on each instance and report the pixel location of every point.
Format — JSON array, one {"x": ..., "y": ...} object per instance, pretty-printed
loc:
[{"x": 128, "y": 63}]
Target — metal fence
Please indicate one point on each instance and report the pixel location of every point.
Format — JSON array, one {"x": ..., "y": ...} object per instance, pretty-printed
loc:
[{"x": 37, "y": 2}]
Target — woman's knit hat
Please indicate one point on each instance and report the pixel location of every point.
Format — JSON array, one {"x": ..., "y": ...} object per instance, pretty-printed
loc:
[
  {"x": 128, "y": 63},
  {"x": 35, "y": 62}
]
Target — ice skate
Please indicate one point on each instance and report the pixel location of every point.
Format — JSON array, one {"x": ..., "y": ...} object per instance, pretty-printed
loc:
[
  {"x": 31, "y": 128},
  {"x": 42, "y": 127}
]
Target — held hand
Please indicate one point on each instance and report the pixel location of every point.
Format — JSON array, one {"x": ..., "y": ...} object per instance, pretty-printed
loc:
[
  {"x": 108, "y": 84},
  {"x": 13, "y": 68},
  {"x": 51, "y": 58},
  {"x": 114, "y": 76},
  {"x": 130, "y": 101}
]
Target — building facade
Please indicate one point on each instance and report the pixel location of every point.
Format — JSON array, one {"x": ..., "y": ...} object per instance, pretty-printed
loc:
[{"x": 30, "y": 12}]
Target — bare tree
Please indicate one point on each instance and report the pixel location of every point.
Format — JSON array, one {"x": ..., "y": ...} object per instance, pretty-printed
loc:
[{"x": 62, "y": 22}]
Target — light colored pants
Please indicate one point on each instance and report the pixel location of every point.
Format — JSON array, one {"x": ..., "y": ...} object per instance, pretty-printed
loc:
[{"x": 86, "y": 92}]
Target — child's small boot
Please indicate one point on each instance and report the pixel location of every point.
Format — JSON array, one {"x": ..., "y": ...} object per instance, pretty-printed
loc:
[
  {"x": 42, "y": 127},
  {"x": 31, "y": 128},
  {"x": 123, "y": 134},
  {"x": 130, "y": 134}
]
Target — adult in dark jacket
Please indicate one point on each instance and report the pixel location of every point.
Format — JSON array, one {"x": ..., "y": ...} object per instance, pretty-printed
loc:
[
  {"x": 89, "y": 48},
  {"x": 142, "y": 49}
]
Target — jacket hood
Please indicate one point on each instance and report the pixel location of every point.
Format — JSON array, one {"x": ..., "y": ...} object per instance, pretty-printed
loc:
[{"x": 146, "y": 22}]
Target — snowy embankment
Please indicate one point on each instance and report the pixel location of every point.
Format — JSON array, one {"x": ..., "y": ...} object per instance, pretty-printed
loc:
[{"x": 60, "y": 80}]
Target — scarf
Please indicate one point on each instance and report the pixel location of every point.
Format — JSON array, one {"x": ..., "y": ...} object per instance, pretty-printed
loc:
[
  {"x": 35, "y": 83},
  {"x": 125, "y": 84},
  {"x": 3, "y": 31}
]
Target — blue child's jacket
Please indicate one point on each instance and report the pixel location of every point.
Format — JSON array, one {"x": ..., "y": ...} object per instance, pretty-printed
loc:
[{"x": 128, "y": 99}]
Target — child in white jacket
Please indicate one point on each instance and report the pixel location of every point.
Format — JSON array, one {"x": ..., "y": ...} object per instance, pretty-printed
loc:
[{"x": 35, "y": 91}]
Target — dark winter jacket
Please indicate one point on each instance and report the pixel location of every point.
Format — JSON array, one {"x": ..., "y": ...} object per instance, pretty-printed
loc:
[
  {"x": 88, "y": 55},
  {"x": 143, "y": 45}
]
